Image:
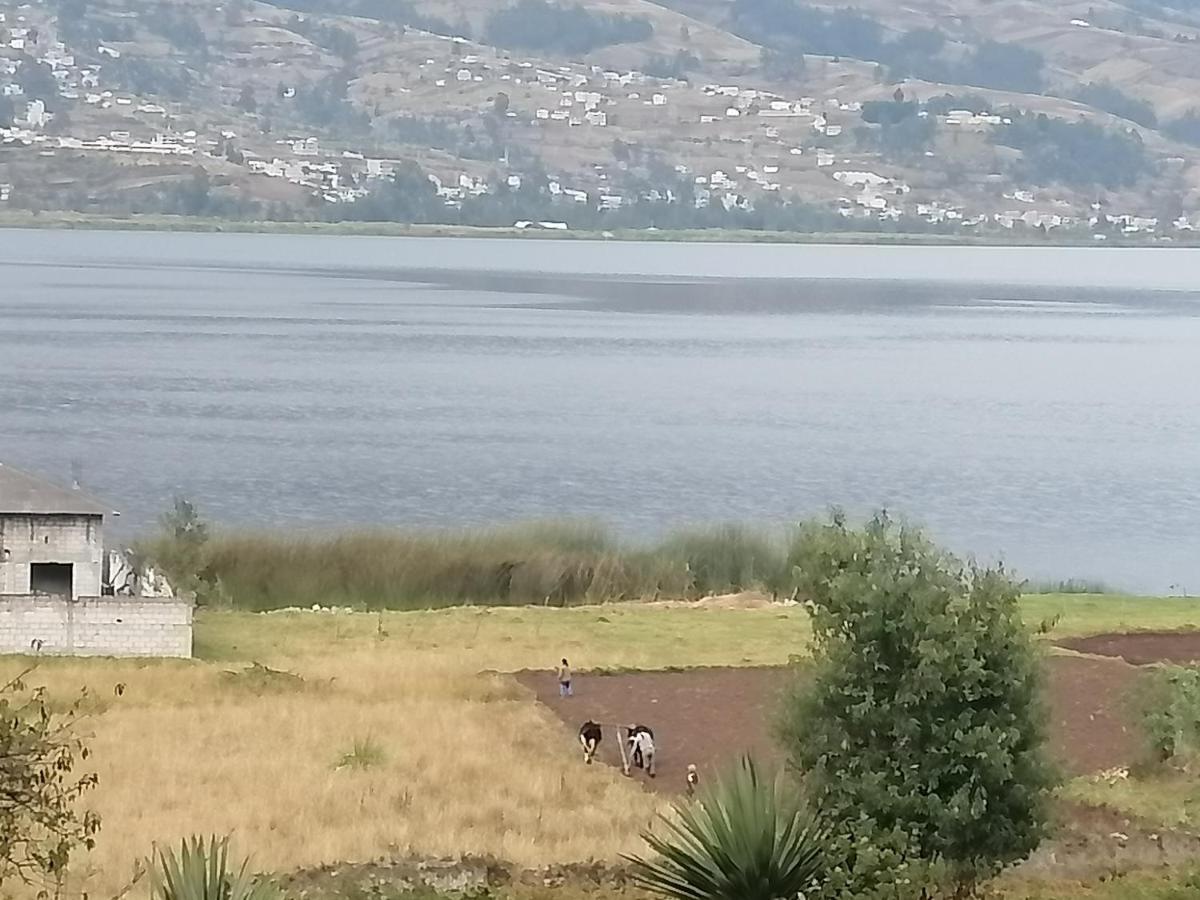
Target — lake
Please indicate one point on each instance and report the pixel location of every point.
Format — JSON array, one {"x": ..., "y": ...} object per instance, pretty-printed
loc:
[{"x": 1039, "y": 406}]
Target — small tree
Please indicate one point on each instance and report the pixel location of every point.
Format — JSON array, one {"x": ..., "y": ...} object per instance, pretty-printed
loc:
[
  {"x": 921, "y": 711},
  {"x": 181, "y": 549},
  {"x": 40, "y": 826}
]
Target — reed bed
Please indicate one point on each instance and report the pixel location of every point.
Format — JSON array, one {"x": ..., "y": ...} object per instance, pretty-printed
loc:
[{"x": 553, "y": 564}]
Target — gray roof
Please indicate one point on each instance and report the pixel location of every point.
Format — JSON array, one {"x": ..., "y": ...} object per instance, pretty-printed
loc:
[{"x": 25, "y": 494}]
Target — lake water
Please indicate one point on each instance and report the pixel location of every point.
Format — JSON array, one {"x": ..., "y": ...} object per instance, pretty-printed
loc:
[{"x": 1040, "y": 406}]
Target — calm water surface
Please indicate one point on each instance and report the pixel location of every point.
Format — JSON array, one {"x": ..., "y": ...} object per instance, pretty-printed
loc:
[{"x": 1039, "y": 406}]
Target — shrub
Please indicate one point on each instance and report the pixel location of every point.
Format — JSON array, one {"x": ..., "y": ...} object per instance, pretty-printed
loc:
[
  {"x": 40, "y": 827},
  {"x": 1171, "y": 713},
  {"x": 202, "y": 870},
  {"x": 366, "y": 753},
  {"x": 874, "y": 865},
  {"x": 747, "y": 837},
  {"x": 922, "y": 711}
]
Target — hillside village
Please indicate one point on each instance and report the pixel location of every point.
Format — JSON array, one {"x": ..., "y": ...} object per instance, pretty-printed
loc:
[{"x": 440, "y": 127}]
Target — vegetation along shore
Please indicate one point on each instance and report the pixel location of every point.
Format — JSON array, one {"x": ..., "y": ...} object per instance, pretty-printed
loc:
[
  {"x": 554, "y": 563},
  {"x": 56, "y": 220}
]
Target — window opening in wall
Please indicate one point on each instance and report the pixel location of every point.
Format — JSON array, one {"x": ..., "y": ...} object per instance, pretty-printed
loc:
[{"x": 51, "y": 578}]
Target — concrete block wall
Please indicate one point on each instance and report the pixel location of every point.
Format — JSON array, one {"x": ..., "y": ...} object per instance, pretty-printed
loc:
[
  {"x": 78, "y": 540},
  {"x": 96, "y": 626}
]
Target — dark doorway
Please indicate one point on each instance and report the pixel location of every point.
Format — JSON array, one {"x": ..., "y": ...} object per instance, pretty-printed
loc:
[{"x": 50, "y": 578}]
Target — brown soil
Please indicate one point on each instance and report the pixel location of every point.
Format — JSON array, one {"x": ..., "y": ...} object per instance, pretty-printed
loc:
[
  {"x": 1141, "y": 648},
  {"x": 711, "y": 716}
]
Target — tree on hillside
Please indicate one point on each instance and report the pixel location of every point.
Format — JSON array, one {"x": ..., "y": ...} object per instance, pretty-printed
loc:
[
  {"x": 1006, "y": 67},
  {"x": 921, "y": 715},
  {"x": 1076, "y": 153},
  {"x": 1105, "y": 96},
  {"x": 38, "y": 82},
  {"x": 541, "y": 25},
  {"x": 246, "y": 101},
  {"x": 1185, "y": 128}
]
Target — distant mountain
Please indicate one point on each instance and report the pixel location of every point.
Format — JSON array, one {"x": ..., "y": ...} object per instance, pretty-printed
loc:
[{"x": 957, "y": 116}]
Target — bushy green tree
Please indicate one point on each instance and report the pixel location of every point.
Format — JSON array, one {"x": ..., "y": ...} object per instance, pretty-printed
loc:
[{"x": 920, "y": 713}]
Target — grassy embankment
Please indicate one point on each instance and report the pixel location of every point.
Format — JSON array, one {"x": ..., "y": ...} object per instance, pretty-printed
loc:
[
  {"x": 458, "y": 762},
  {"x": 201, "y": 224}
]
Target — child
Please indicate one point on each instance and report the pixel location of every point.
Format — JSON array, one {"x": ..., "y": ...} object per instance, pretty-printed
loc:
[
  {"x": 564, "y": 679},
  {"x": 590, "y": 736}
]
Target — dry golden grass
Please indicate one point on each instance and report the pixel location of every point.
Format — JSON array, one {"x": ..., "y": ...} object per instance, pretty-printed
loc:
[
  {"x": 469, "y": 767},
  {"x": 469, "y": 764}
]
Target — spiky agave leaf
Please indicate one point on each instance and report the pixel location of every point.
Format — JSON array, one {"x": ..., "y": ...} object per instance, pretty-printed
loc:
[
  {"x": 201, "y": 871},
  {"x": 744, "y": 838}
]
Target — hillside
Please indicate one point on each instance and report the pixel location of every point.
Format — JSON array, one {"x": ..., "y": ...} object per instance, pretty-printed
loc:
[{"x": 974, "y": 116}]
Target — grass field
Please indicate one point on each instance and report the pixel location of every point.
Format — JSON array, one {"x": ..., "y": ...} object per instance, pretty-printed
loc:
[
  {"x": 636, "y": 636},
  {"x": 452, "y": 759}
]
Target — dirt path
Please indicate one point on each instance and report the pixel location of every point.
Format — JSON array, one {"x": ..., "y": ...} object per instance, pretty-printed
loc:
[
  {"x": 711, "y": 716},
  {"x": 1141, "y": 648}
]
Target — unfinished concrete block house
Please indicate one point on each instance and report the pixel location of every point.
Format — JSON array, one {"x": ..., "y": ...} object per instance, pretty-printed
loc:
[{"x": 53, "y": 597}]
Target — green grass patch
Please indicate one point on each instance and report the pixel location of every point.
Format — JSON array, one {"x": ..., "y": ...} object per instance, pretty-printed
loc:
[
  {"x": 624, "y": 636},
  {"x": 1176, "y": 885},
  {"x": 1169, "y": 799},
  {"x": 1074, "y": 615},
  {"x": 614, "y": 636}
]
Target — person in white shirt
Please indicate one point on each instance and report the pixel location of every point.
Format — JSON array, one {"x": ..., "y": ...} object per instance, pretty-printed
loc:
[{"x": 641, "y": 748}]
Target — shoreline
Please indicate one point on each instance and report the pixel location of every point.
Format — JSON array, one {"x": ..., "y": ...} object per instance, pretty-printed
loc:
[{"x": 66, "y": 221}]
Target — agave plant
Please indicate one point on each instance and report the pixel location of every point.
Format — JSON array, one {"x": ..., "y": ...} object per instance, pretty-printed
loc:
[
  {"x": 744, "y": 838},
  {"x": 202, "y": 870}
]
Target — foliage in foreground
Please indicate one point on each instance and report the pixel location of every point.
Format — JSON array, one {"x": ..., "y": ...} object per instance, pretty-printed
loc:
[
  {"x": 203, "y": 870},
  {"x": 747, "y": 837},
  {"x": 40, "y": 825},
  {"x": 920, "y": 714}
]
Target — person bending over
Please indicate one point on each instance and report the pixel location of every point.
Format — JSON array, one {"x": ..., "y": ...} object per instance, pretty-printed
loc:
[{"x": 590, "y": 736}]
